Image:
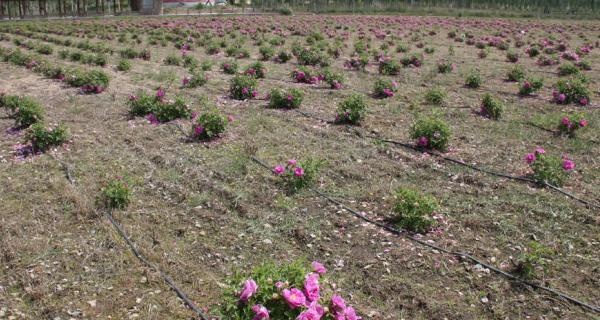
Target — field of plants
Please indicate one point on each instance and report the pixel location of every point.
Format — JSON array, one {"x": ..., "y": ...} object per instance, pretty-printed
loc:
[{"x": 299, "y": 167}]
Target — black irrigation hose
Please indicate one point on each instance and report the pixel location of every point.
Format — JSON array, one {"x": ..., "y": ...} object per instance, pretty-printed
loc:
[
  {"x": 461, "y": 255},
  {"x": 470, "y": 166},
  {"x": 138, "y": 254}
]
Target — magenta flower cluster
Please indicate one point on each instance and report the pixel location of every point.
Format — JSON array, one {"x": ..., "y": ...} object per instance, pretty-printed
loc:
[{"x": 292, "y": 168}]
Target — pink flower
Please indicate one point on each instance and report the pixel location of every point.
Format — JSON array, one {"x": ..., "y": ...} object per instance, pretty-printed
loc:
[
  {"x": 248, "y": 290},
  {"x": 540, "y": 151},
  {"x": 338, "y": 305},
  {"x": 254, "y": 93},
  {"x": 294, "y": 298},
  {"x": 568, "y": 165},
  {"x": 583, "y": 123},
  {"x": 311, "y": 287},
  {"x": 152, "y": 118},
  {"x": 298, "y": 172},
  {"x": 245, "y": 90},
  {"x": 230, "y": 118},
  {"x": 260, "y": 312},
  {"x": 561, "y": 98},
  {"x": 388, "y": 92},
  {"x": 292, "y": 162},
  {"x": 565, "y": 121},
  {"x": 185, "y": 81},
  {"x": 350, "y": 314},
  {"x": 318, "y": 267},
  {"x": 290, "y": 98},
  {"x": 278, "y": 170},
  {"x": 300, "y": 75},
  {"x": 314, "y": 312},
  {"x": 198, "y": 131},
  {"x": 160, "y": 93},
  {"x": 583, "y": 101},
  {"x": 279, "y": 284},
  {"x": 530, "y": 158},
  {"x": 423, "y": 141},
  {"x": 194, "y": 115}
]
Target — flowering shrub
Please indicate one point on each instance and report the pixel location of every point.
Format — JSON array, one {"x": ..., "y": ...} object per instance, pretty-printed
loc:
[
  {"x": 158, "y": 108},
  {"x": 27, "y": 112},
  {"x": 568, "y": 69},
  {"x": 335, "y": 80},
  {"x": 290, "y": 99},
  {"x": 571, "y": 90},
  {"x": 388, "y": 67},
  {"x": 516, "y": 73},
  {"x": 305, "y": 75},
  {"x": 93, "y": 81},
  {"x": 435, "y": 96},
  {"x": 169, "y": 110},
  {"x": 42, "y": 137},
  {"x": 116, "y": 194},
  {"x": 197, "y": 79},
  {"x": 473, "y": 79},
  {"x": 359, "y": 62},
  {"x": 124, "y": 65},
  {"x": 569, "y": 125},
  {"x": 351, "y": 110},
  {"x": 530, "y": 86},
  {"x": 143, "y": 103},
  {"x": 209, "y": 125},
  {"x": 190, "y": 62},
  {"x": 532, "y": 51},
  {"x": 284, "y": 292},
  {"x": 385, "y": 88},
  {"x": 414, "y": 210},
  {"x": 548, "y": 169},
  {"x": 230, "y": 67},
  {"x": 491, "y": 107},
  {"x": 297, "y": 176},
  {"x": 547, "y": 61},
  {"x": 256, "y": 70},
  {"x": 243, "y": 87},
  {"x": 431, "y": 133},
  {"x": 585, "y": 65},
  {"x": 412, "y": 60}
]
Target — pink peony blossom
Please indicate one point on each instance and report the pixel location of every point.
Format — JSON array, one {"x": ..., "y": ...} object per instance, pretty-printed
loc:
[
  {"x": 294, "y": 298},
  {"x": 583, "y": 101},
  {"x": 314, "y": 312},
  {"x": 248, "y": 290},
  {"x": 338, "y": 305},
  {"x": 561, "y": 98},
  {"x": 292, "y": 162},
  {"x": 350, "y": 314},
  {"x": 278, "y": 169},
  {"x": 530, "y": 158},
  {"x": 299, "y": 172},
  {"x": 568, "y": 165},
  {"x": 423, "y": 141},
  {"x": 318, "y": 267},
  {"x": 198, "y": 131},
  {"x": 260, "y": 312},
  {"x": 583, "y": 123},
  {"x": 565, "y": 121},
  {"x": 311, "y": 287},
  {"x": 540, "y": 151}
]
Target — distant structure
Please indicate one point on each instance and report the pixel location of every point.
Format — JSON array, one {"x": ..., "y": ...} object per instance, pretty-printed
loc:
[{"x": 149, "y": 7}]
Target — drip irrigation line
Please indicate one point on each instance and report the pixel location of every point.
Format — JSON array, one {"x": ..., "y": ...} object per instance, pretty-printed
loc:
[
  {"x": 138, "y": 254},
  {"x": 458, "y": 254},
  {"x": 459, "y": 162}
]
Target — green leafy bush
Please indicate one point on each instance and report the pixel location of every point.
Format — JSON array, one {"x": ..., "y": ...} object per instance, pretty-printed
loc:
[
  {"x": 178, "y": 108},
  {"x": 335, "y": 80},
  {"x": 351, "y": 110},
  {"x": 124, "y": 65},
  {"x": 516, "y": 73},
  {"x": 209, "y": 125},
  {"x": 473, "y": 79},
  {"x": 491, "y": 107},
  {"x": 116, "y": 194},
  {"x": 389, "y": 67},
  {"x": 414, "y": 210},
  {"x": 530, "y": 86},
  {"x": 266, "y": 52},
  {"x": 42, "y": 138},
  {"x": 290, "y": 99},
  {"x": 548, "y": 168},
  {"x": 533, "y": 259},
  {"x": 243, "y": 87},
  {"x": 197, "y": 79},
  {"x": 299, "y": 175},
  {"x": 572, "y": 90},
  {"x": 568, "y": 69},
  {"x": 28, "y": 112},
  {"x": 431, "y": 133},
  {"x": 384, "y": 88},
  {"x": 435, "y": 96},
  {"x": 173, "y": 60},
  {"x": 256, "y": 70},
  {"x": 312, "y": 56},
  {"x": 229, "y": 67},
  {"x": 570, "y": 124}
]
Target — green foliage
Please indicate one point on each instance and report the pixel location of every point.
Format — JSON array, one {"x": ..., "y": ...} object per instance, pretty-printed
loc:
[
  {"x": 574, "y": 89},
  {"x": 173, "y": 60},
  {"x": 124, "y": 65},
  {"x": 209, "y": 125},
  {"x": 197, "y": 79},
  {"x": 290, "y": 99},
  {"x": 335, "y": 80},
  {"x": 516, "y": 73},
  {"x": 473, "y": 79},
  {"x": 568, "y": 69},
  {"x": 256, "y": 70},
  {"x": 283, "y": 56},
  {"x": 286, "y": 11},
  {"x": 435, "y": 96},
  {"x": 142, "y": 104},
  {"x": 310, "y": 168},
  {"x": 266, "y": 52},
  {"x": 243, "y": 87},
  {"x": 570, "y": 124},
  {"x": 312, "y": 56},
  {"x": 414, "y": 210},
  {"x": 42, "y": 138},
  {"x": 389, "y": 67},
  {"x": 512, "y": 56},
  {"x": 229, "y": 67},
  {"x": 548, "y": 169},
  {"x": 530, "y": 86},
  {"x": 445, "y": 66},
  {"x": 116, "y": 194},
  {"x": 491, "y": 107},
  {"x": 435, "y": 130},
  {"x": 27, "y": 112},
  {"x": 384, "y": 88},
  {"x": 352, "y": 110},
  {"x": 534, "y": 258},
  {"x": 167, "y": 111}
]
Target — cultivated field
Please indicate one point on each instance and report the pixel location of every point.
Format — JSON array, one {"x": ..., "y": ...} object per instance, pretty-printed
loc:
[{"x": 391, "y": 116}]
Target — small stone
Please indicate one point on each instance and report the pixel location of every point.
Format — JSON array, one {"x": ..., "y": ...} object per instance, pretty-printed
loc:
[
  {"x": 484, "y": 300},
  {"x": 92, "y": 303}
]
